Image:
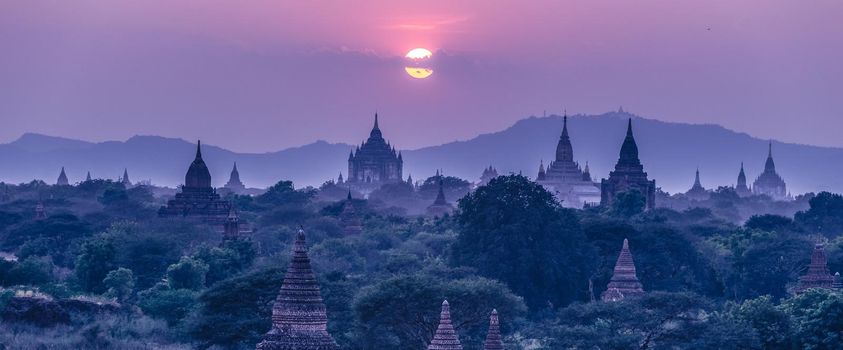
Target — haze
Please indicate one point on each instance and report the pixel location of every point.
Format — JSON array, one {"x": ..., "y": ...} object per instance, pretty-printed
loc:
[{"x": 264, "y": 75}]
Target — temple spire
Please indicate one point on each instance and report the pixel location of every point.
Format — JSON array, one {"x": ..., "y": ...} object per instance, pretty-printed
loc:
[
  {"x": 629, "y": 149},
  {"x": 493, "y": 338},
  {"x": 697, "y": 179},
  {"x": 199, "y": 149},
  {"x": 88, "y": 177},
  {"x": 445, "y": 337},
  {"x": 62, "y": 180},
  {"x": 624, "y": 282}
]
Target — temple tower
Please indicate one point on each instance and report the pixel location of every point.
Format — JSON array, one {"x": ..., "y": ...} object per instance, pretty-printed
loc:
[
  {"x": 197, "y": 198},
  {"x": 769, "y": 183},
  {"x": 299, "y": 320},
  {"x": 231, "y": 228},
  {"x": 624, "y": 282},
  {"x": 351, "y": 223},
  {"x": 818, "y": 275},
  {"x": 697, "y": 191},
  {"x": 125, "y": 180},
  {"x": 440, "y": 206},
  {"x": 628, "y": 175},
  {"x": 493, "y": 338},
  {"x": 234, "y": 184},
  {"x": 62, "y": 180},
  {"x": 88, "y": 177},
  {"x": 374, "y": 163},
  {"x": 487, "y": 175},
  {"x": 445, "y": 337},
  {"x": 741, "y": 189},
  {"x": 563, "y": 176}
]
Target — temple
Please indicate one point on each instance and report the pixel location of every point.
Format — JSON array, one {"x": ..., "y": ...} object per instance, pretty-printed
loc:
[
  {"x": 234, "y": 184},
  {"x": 299, "y": 320},
  {"x": 628, "y": 175},
  {"x": 741, "y": 189},
  {"x": 624, "y": 282},
  {"x": 445, "y": 337},
  {"x": 818, "y": 275},
  {"x": 88, "y": 177},
  {"x": 125, "y": 179},
  {"x": 488, "y": 174},
  {"x": 62, "y": 180},
  {"x": 493, "y": 338},
  {"x": 197, "y": 198},
  {"x": 374, "y": 163},
  {"x": 769, "y": 183},
  {"x": 234, "y": 229},
  {"x": 697, "y": 191},
  {"x": 440, "y": 206},
  {"x": 564, "y": 177},
  {"x": 351, "y": 223}
]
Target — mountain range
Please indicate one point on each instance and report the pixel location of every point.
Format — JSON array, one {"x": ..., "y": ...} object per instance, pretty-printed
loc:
[{"x": 670, "y": 152}]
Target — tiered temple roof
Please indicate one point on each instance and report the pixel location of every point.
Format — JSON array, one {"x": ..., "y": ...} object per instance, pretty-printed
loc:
[
  {"x": 818, "y": 275},
  {"x": 769, "y": 182},
  {"x": 352, "y": 225},
  {"x": 624, "y": 282},
  {"x": 440, "y": 206},
  {"x": 564, "y": 178},
  {"x": 741, "y": 188},
  {"x": 488, "y": 174},
  {"x": 62, "y": 180},
  {"x": 697, "y": 191},
  {"x": 628, "y": 175},
  {"x": 445, "y": 337},
  {"x": 234, "y": 184},
  {"x": 493, "y": 338},
  {"x": 375, "y": 162},
  {"x": 299, "y": 320},
  {"x": 197, "y": 198}
]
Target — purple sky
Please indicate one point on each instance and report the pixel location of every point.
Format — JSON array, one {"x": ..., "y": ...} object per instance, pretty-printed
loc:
[{"x": 264, "y": 75}]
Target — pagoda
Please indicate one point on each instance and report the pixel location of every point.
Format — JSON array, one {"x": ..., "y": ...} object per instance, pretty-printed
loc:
[
  {"x": 818, "y": 275},
  {"x": 624, "y": 282},
  {"x": 445, "y": 337},
  {"x": 565, "y": 178},
  {"x": 62, "y": 180},
  {"x": 628, "y": 175},
  {"x": 299, "y": 320},
  {"x": 697, "y": 191},
  {"x": 769, "y": 183},
  {"x": 234, "y": 184},
  {"x": 493, "y": 338},
  {"x": 487, "y": 175},
  {"x": 88, "y": 177},
  {"x": 125, "y": 179},
  {"x": 741, "y": 189},
  {"x": 197, "y": 198},
  {"x": 374, "y": 163},
  {"x": 351, "y": 223},
  {"x": 440, "y": 206},
  {"x": 233, "y": 228}
]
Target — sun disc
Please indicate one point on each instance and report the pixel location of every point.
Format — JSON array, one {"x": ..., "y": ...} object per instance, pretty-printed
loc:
[
  {"x": 418, "y": 72},
  {"x": 419, "y": 53}
]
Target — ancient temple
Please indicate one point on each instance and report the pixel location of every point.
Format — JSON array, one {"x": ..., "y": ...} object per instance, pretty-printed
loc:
[
  {"x": 440, "y": 206},
  {"x": 628, "y": 175},
  {"x": 88, "y": 177},
  {"x": 299, "y": 320},
  {"x": 818, "y": 275},
  {"x": 564, "y": 177},
  {"x": 488, "y": 174},
  {"x": 340, "y": 180},
  {"x": 197, "y": 199},
  {"x": 445, "y": 337},
  {"x": 232, "y": 230},
  {"x": 234, "y": 184},
  {"x": 374, "y": 163},
  {"x": 351, "y": 223},
  {"x": 624, "y": 282},
  {"x": 697, "y": 191},
  {"x": 493, "y": 338},
  {"x": 125, "y": 179},
  {"x": 62, "y": 180},
  {"x": 769, "y": 183},
  {"x": 741, "y": 189}
]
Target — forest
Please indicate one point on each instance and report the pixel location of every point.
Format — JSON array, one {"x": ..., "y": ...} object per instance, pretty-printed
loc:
[{"x": 102, "y": 270}]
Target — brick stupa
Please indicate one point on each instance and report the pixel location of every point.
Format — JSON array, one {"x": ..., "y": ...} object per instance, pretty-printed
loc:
[
  {"x": 351, "y": 223},
  {"x": 445, "y": 337},
  {"x": 493, "y": 338},
  {"x": 818, "y": 275},
  {"x": 624, "y": 282},
  {"x": 299, "y": 321}
]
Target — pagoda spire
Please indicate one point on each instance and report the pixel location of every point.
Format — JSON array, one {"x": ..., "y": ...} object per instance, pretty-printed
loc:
[
  {"x": 445, "y": 337},
  {"x": 440, "y": 197},
  {"x": 629, "y": 149},
  {"x": 564, "y": 150},
  {"x": 62, "y": 180},
  {"x": 88, "y": 177},
  {"x": 697, "y": 179},
  {"x": 299, "y": 320},
  {"x": 770, "y": 165},
  {"x": 199, "y": 149},
  {"x": 624, "y": 282},
  {"x": 493, "y": 338},
  {"x": 818, "y": 274},
  {"x": 125, "y": 180}
]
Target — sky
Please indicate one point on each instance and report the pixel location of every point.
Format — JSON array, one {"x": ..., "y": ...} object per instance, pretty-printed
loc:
[{"x": 259, "y": 76}]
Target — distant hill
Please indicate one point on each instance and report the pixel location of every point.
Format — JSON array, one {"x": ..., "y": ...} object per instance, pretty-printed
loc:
[{"x": 670, "y": 153}]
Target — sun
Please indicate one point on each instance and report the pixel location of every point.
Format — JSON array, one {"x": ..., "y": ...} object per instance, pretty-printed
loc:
[
  {"x": 419, "y": 53},
  {"x": 418, "y": 72}
]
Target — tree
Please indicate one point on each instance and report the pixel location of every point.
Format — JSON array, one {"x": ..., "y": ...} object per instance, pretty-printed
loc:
[
  {"x": 825, "y": 215},
  {"x": 403, "y": 312},
  {"x": 769, "y": 222},
  {"x": 817, "y": 316},
  {"x": 161, "y": 301},
  {"x": 188, "y": 273},
  {"x": 120, "y": 284},
  {"x": 629, "y": 203},
  {"x": 95, "y": 261},
  {"x": 513, "y": 230},
  {"x": 770, "y": 323}
]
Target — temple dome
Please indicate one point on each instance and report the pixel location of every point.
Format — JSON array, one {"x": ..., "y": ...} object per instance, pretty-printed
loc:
[{"x": 198, "y": 175}]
